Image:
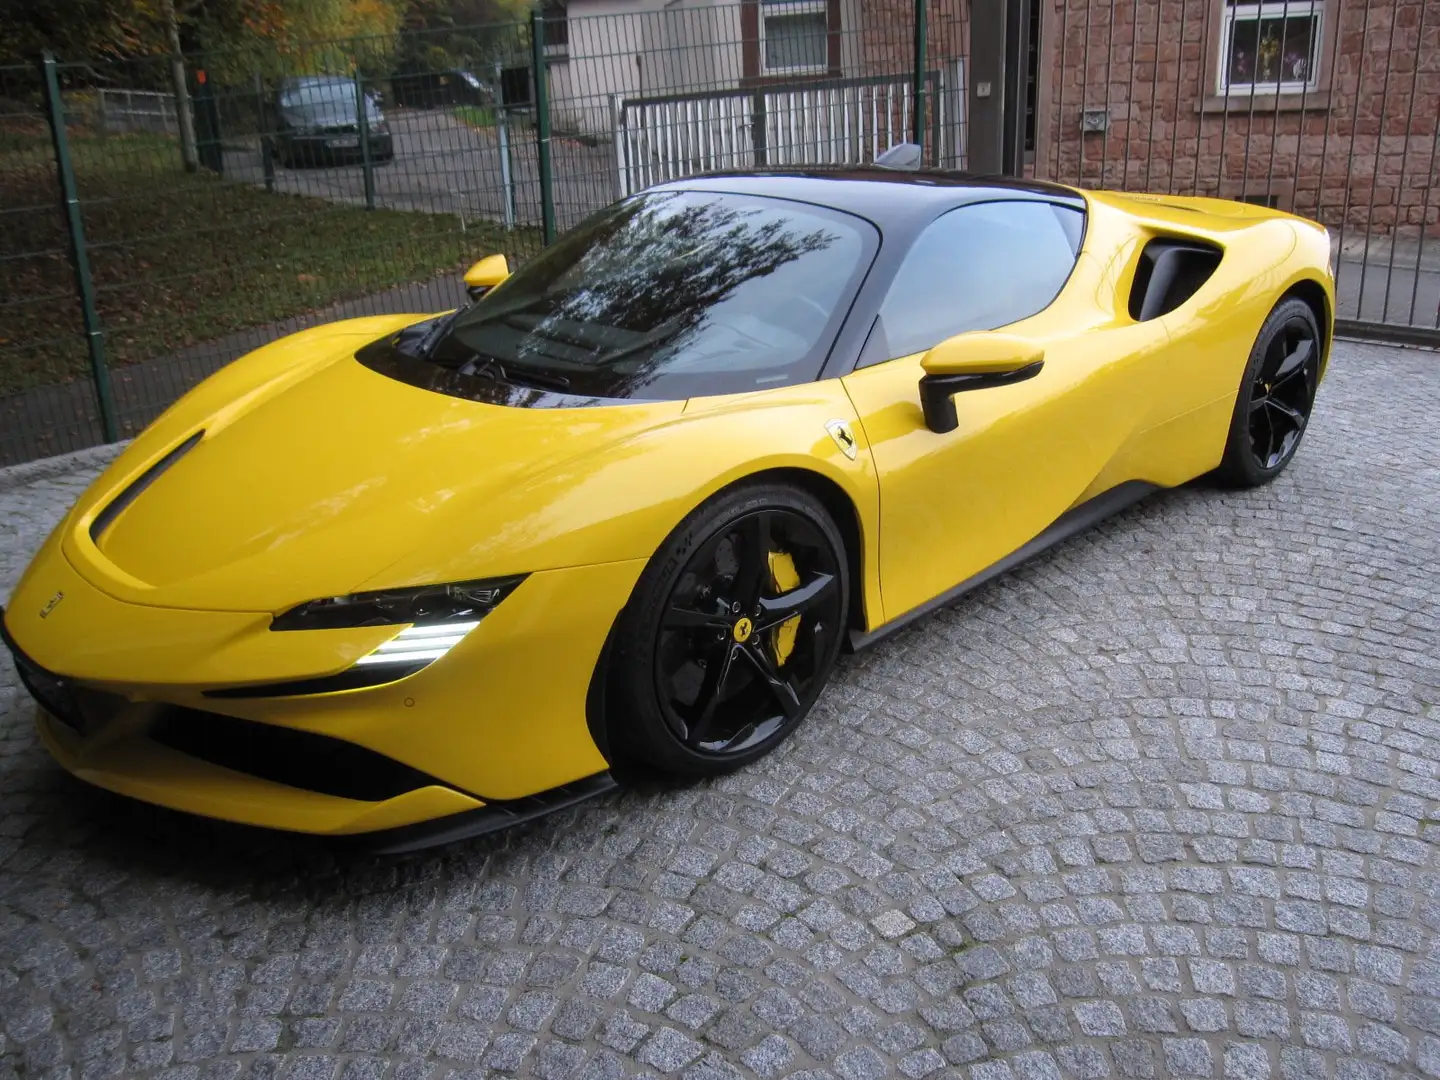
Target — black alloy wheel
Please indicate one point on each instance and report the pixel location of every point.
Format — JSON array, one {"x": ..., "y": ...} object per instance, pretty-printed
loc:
[
  {"x": 1273, "y": 407},
  {"x": 725, "y": 648},
  {"x": 1283, "y": 391}
]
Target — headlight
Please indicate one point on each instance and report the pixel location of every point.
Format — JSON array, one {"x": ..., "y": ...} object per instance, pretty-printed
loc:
[
  {"x": 427, "y": 608},
  {"x": 439, "y": 617}
]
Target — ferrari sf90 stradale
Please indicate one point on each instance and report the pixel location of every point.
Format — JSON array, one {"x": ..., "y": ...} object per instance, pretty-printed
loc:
[{"x": 420, "y": 575}]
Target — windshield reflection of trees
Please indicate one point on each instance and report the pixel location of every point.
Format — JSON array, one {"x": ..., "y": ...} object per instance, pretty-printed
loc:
[{"x": 610, "y": 305}]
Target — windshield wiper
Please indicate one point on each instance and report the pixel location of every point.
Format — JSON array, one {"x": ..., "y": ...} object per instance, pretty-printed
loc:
[
  {"x": 541, "y": 380},
  {"x": 481, "y": 364},
  {"x": 432, "y": 337}
]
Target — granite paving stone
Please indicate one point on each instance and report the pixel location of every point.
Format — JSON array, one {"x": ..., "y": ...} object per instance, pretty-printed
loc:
[{"x": 1162, "y": 802}]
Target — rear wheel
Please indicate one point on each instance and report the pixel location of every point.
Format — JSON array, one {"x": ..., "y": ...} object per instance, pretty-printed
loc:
[
  {"x": 1276, "y": 395},
  {"x": 731, "y": 633}
]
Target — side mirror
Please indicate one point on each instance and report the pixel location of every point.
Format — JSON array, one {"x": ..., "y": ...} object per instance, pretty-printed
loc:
[
  {"x": 973, "y": 362},
  {"x": 485, "y": 275}
]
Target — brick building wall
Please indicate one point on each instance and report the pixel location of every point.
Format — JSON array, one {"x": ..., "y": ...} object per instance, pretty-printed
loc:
[
  {"x": 887, "y": 33},
  {"x": 1358, "y": 147}
]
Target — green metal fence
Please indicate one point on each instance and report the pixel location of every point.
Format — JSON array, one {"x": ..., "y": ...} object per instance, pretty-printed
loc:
[{"x": 135, "y": 260}]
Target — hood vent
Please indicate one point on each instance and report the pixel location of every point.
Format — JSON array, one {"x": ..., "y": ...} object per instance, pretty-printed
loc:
[{"x": 117, "y": 506}]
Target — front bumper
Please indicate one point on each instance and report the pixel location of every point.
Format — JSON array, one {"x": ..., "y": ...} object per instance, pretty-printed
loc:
[
  {"x": 495, "y": 724},
  {"x": 338, "y": 146}
]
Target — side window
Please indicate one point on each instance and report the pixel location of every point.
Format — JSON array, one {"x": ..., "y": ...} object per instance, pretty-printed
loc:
[{"x": 978, "y": 267}]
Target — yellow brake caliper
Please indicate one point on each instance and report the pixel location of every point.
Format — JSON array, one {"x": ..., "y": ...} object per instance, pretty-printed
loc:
[{"x": 783, "y": 578}]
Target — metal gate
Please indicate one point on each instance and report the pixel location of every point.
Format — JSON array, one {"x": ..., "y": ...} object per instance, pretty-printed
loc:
[
  {"x": 1325, "y": 108},
  {"x": 845, "y": 121}
]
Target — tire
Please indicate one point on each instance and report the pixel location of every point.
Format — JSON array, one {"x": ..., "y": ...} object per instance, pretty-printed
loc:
[
  {"x": 1277, "y": 393},
  {"x": 751, "y": 569}
]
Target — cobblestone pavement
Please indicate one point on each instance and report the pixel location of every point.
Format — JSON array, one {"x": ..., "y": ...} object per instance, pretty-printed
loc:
[{"x": 1163, "y": 803}]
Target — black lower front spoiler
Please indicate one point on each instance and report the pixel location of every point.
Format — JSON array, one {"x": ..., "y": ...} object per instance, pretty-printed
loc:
[{"x": 491, "y": 818}]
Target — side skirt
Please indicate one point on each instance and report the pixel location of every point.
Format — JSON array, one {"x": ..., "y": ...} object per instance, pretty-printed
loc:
[{"x": 1075, "y": 520}]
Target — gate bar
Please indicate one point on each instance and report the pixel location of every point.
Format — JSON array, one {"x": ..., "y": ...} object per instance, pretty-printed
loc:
[{"x": 79, "y": 257}]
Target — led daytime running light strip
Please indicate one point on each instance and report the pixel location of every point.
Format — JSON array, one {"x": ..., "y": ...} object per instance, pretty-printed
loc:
[{"x": 417, "y": 643}]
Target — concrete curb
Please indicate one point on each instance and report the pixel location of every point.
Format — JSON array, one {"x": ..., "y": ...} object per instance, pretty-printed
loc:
[{"x": 30, "y": 472}]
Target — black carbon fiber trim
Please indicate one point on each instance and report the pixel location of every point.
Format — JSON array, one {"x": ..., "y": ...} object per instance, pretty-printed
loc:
[
  {"x": 495, "y": 816},
  {"x": 355, "y": 678},
  {"x": 117, "y": 505},
  {"x": 298, "y": 759}
]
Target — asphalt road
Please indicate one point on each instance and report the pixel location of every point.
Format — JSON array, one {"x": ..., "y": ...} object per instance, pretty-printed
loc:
[
  {"x": 1164, "y": 802},
  {"x": 444, "y": 166}
]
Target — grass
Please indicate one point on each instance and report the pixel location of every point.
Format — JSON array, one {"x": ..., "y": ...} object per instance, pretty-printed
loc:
[
  {"x": 180, "y": 259},
  {"x": 479, "y": 116}
]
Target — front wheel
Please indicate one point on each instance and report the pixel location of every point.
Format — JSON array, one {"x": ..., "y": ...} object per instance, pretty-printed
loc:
[
  {"x": 732, "y": 632},
  {"x": 1277, "y": 392}
]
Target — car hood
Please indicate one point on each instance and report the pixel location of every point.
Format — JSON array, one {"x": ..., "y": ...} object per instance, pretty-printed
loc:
[
  {"x": 312, "y": 484},
  {"x": 329, "y": 114}
]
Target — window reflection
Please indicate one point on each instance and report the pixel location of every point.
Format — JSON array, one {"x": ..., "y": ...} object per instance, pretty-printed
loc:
[
  {"x": 671, "y": 294},
  {"x": 978, "y": 267}
]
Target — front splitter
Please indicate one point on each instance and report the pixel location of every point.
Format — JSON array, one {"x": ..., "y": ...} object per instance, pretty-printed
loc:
[{"x": 493, "y": 817}]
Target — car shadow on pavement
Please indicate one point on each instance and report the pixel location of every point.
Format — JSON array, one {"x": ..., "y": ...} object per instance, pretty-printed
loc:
[{"x": 99, "y": 827}]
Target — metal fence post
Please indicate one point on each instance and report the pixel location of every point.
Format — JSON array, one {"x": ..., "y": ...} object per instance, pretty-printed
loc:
[
  {"x": 362, "y": 124},
  {"x": 542, "y": 126},
  {"x": 209, "y": 147},
  {"x": 918, "y": 134},
  {"x": 267, "y": 145},
  {"x": 79, "y": 257},
  {"x": 619, "y": 180},
  {"x": 758, "y": 128},
  {"x": 507, "y": 167}
]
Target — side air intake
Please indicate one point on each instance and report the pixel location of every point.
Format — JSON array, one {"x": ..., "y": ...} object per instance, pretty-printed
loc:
[{"x": 1169, "y": 273}]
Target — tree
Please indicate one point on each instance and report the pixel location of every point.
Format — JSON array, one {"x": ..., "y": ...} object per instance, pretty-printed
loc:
[
  {"x": 130, "y": 29},
  {"x": 189, "y": 155}
]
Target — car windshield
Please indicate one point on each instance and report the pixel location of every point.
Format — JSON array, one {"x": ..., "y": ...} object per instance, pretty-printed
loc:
[
  {"x": 325, "y": 96},
  {"x": 671, "y": 295}
]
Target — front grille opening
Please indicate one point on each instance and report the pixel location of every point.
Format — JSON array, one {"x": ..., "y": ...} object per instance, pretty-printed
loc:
[
  {"x": 80, "y": 708},
  {"x": 298, "y": 759}
]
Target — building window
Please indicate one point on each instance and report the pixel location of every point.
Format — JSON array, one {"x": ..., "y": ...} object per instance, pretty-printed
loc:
[
  {"x": 794, "y": 36},
  {"x": 557, "y": 28},
  {"x": 1271, "y": 47}
]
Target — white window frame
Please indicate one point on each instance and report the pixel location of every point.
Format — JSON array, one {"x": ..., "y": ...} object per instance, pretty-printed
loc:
[
  {"x": 794, "y": 7},
  {"x": 1234, "y": 14}
]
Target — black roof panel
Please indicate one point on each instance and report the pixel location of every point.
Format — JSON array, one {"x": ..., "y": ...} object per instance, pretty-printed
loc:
[{"x": 881, "y": 195}]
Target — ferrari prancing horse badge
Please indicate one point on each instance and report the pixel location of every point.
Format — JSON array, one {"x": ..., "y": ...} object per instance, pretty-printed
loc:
[{"x": 840, "y": 432}]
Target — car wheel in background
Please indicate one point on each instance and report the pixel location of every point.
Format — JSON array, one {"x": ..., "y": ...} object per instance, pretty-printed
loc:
[{"x": 731, "y": 633}]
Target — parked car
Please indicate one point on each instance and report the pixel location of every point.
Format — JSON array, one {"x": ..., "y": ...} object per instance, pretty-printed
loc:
[
  {"x": 315, "y": 121},
  {"x": 431, "y": 89},
  {"x": 426, "y": 577}
]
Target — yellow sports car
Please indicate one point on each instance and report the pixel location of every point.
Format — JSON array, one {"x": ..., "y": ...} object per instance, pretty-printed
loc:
[{"x": 422, "y": 576}]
